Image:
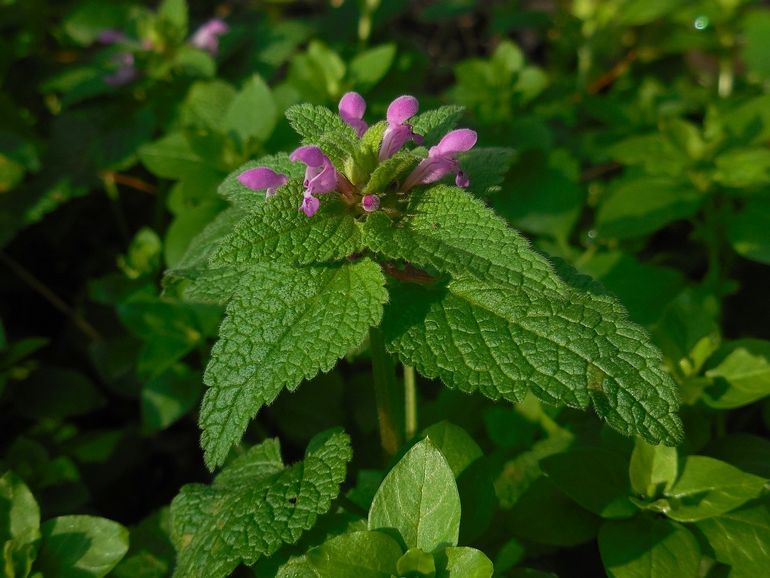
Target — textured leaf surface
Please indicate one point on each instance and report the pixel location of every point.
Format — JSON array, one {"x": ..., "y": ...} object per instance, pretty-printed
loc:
[
  {"x": 508, "y": 322},
  {"x": 434, "y": 124},
  {"x": 418, "y": 499},
  {"x": 283, "y": 325},
  {"x": 311, "y": 121},
  {"x": 464, "y": 563},
  {"x": 395, "y": 168},
  {"x": 255, "y": 505},
  {"x": 278, "y": 230}
]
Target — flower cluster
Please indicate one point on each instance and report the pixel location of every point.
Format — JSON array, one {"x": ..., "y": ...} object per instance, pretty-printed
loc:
[
  {"x": 322, "y": 177},
  {"x": 206, "y": 38}
]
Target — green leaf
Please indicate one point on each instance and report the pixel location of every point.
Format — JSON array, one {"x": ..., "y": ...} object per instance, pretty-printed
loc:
[
  {"x": 255, "y": 505},
  {"x": 739, "y": 539},
  {"x": 169, "y": 396},
  {"x": 175, "y": 13},
  {"x": 486, "y": 168},
  {"x": 253, "y": 112},
  {"x": 370, "y": 66},
  {"x": 80, "y": 547},
  {"x": 653, "y": 469},
  {"x": 278, "y": 231},
  {"x": 740, "y": 373},
  {"x": 206, "y": 104},
  {"x": 173, "y": 157},
  {"x": 709, "y": 487},
  {"x": 743, "y": 168},
  {"x": 595, "y": 478},
  {"x": 19, "y": 526},
  {"x": 311, "y": 122},
  {"x": 456, "y": 562},
  {"x": 434, "y": 124},
  {"x": 415, "y": 562},
  {"x": 642, "y": 205},
  {"x": 418, "y": 500},
  {"x": 544, "y": 514},
  {"x": 654, "y": 152},
  {"x": 507, "y": 322},
  {"x": 356, "y": 555},
  {"x": 390, "y": 171},
  {"x": 648, "y": 548},
  {"x": 459, "y": 449},
  {"x": 756, "y": 30},
  {"x": 748, "y": 452},
  {"x": 283, "y": 325},
  {"x": 748, "y": 231}
]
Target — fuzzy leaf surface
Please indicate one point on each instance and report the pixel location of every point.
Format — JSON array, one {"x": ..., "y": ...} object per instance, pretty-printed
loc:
[
  {"x": 255, "y": 505},
  {"x": 283, "y": 325},
  {"x": 277, "y": 230},
  {"x": 508, "y": 322},
  {"x": 312, "y": 121}
]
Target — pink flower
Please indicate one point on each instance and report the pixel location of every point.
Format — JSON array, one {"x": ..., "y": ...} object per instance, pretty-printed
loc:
[
  {"x": 442, "y": 160},
  {"x": 398, "y": 131},
  {"x": 207, "y": 36},
  {"x": 320, "y": 176},
  {"x": 262, "y": 178},
  {"x": 352, "y": 108},
  {"x": 370, "y": 203}
]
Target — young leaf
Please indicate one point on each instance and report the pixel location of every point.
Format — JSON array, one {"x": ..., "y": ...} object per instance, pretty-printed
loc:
[
  {"x": 595, "y": 478},
  {"x": 740, "y": 373},
  {"x": 255, "y": 505},
  {"x": 253, "y": 112},
  {"x": 311, "y": 122},
  {"x": 390, "y": 170},
  {"x": 653, "y": 469},
  {"x": 648, "y": 548},
  {"x": 507, "y": 321},
  {"x": 356, "y": 555},
  {"x": 415, "y": 562},
  {"x": 456, "y": 562},
  {"x": 418, "y": 500},
  {"x": 19, "y": 526},
  {"x": 709, "y": 487},
  {"x": 80, "y": 547},
  {"x": 739, "y": 539},
  {"x": 459, "y": 449},
  {"x": 368, "y": 67},
  {"x": 277, "y": 230},
  {"x": 283, "y": 325}
]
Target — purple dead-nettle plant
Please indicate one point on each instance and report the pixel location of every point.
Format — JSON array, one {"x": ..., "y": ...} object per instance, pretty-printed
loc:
[{"x": 351, "y": 177}]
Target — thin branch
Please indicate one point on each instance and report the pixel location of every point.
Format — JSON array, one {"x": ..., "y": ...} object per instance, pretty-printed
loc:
[{"x": 44, "y": 291}]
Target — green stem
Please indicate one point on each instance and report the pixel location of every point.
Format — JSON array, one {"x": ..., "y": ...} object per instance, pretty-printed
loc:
[
  {"x": 410, "y": 402},
  {"x": 387, "y": 394}
]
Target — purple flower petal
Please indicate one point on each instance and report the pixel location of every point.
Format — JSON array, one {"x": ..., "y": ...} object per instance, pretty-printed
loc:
[
  {"x": 352, "y": 108},
  {"x": 462, "y": 180},
  {"x": 430, "y": 170},
  {"x": 370, "y": 203},
  {"x": 111, "y": 36},
  {"x": 402, "y": 109},
  {"x": 262, "y": 178},
  {"x": 394, "y": 138},
  {"x": 311, "y": 155},
  {"x": 456, "y": 141},
  {"x": 310, "y": 205},
  {"x": 124, "y": 72},
  {"x": 207, "y": 36}
]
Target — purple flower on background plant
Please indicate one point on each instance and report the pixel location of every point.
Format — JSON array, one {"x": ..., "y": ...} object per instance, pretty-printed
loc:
[
  {"x": 398, "y": 131},
  {"x": 262, "y": 178},
  {"x": 111, "y": 36},
  {"x": 352, "y": 108},
  {"x": 370, "y": 203},
  {"x": 125, "y": 71},
  {"x": 207, "y": 36},
  {"x": 442, "y": 160},
  {"x": 320, "y": 176}
]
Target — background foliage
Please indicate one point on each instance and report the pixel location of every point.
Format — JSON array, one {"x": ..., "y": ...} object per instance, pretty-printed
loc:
[{"x": 640, "y": 131}]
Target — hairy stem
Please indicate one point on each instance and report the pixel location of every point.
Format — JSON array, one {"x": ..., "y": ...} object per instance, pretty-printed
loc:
[
  {"x": 387, "y": 394},
  {"x": 410, "y": 402}
]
